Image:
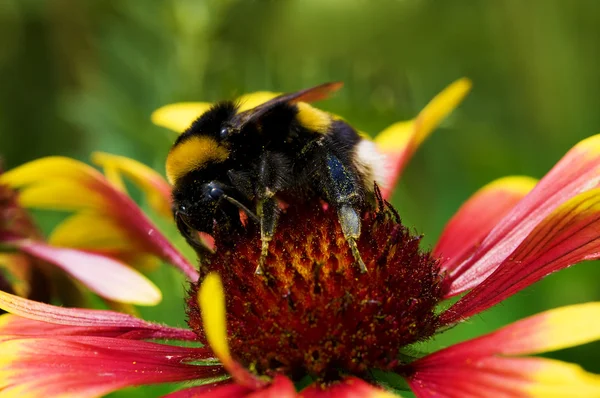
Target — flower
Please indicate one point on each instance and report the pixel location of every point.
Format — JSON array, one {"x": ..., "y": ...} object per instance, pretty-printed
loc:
[
  {"x": 21, "y": 273},
  {"x": 314, "y": 321},
  {"x": 60, "y": 352},
  {"x": 107, "y": 229}
]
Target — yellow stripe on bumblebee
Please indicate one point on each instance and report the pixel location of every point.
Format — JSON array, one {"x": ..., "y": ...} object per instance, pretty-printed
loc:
[
  {"x": 191, "y": 154},
  {"x": 313, "y": 119}
]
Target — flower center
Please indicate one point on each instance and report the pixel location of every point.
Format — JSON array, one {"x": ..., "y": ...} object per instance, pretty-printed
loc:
[
  {"x": 313, "y": 312},
  {"x": 15, "y": 220}
]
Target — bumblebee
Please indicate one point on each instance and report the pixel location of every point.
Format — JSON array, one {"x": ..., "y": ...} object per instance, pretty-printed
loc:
[{"x": 230, "y": 162}]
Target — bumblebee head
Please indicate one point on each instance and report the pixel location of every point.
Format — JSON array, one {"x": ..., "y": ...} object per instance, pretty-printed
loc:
[
  {"x": 200, "y": 147},
  {"x": 197, "y": 207}
]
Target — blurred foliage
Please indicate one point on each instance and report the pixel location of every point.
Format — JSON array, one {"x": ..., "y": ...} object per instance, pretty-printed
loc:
[{"x": 79, "y": 76}]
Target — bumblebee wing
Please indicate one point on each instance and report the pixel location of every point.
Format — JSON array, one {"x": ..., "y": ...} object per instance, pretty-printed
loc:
[{"x": 312, "y": 94}]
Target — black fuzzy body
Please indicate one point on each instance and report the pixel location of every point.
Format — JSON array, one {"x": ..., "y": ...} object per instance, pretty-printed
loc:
[{"x": 272, "y": 159}]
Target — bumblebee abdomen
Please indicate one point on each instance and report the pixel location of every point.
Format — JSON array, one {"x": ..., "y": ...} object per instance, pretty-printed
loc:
[
  {"x": 313, "y": 119},
  {"x": 359, "y": 152},
  {"x": 343, "y": 135}
]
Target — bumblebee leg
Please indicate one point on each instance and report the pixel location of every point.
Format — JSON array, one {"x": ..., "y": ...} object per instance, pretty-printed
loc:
[
  {"x": 350, "y": 223},
  {"x": 342, "y": 191},
  {"x": 271, "y": 179},
  {"x": 268, "y": 211}
]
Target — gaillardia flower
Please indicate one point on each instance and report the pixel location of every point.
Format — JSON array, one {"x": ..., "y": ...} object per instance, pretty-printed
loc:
[
  {"x": 106, "y": 232},
  {"x": 19, "y": 272},
  {"x": 314, "y": 325}
]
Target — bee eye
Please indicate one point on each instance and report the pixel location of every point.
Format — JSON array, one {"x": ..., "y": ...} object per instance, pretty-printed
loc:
[
  {"x": 182, "y": 209},
  {"x": 224, "y": 132},
  {"x": 216, "y": 193}
]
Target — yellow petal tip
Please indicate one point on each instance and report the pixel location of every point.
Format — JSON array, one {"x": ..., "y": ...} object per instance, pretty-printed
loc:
[
  {"x": 573, "y": 325},
  {"x": 441, "y": 106},
  {"x": 554, "y": 379},
  {"x": 211, "y": 299},
  {"x": 518, "y": 184},
  {"x": 178, "y": 117}
]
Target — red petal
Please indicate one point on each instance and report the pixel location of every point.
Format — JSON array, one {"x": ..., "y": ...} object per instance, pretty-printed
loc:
[
  {"x": 12, "y": 326},
  {"x": 129, "y": 215},
  {"x": 567, "y": 236},
  {"x": 351, "y": 387},
  {"x": 281, "y": 387},
  {"x": 156, "y": 189},
  {"x": 548, "y": 331},
  {"x": 480, "y": 377},
  {"x": 482, "y": 367},
  {"x": 93, "y": 366},
  {"x": 67, "y": 184},
  {"x": 105, "y": 276},
  {"x": 80, "y": 321},
  {"x": 475, "y": 219},
  {"x": 577, "y": 172}
]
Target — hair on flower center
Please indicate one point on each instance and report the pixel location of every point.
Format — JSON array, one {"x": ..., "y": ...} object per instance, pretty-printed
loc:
[{"x": 313, "y": 312}]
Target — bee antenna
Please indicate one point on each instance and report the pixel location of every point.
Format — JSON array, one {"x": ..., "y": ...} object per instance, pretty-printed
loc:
[{"x": 240, "y": 206}]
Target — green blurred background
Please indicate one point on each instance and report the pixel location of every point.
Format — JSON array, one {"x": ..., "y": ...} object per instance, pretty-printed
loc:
[{"x": 79, "y": 76}]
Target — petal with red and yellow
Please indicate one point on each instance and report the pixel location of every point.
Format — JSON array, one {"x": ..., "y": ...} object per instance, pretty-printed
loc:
[
  {"x": 399, "y": 142},
  {"x": 570, "y": 234},
  {"x": 59, "y": 183},
  {"x": 103, "y": 275},
  {"x": 15, "y": 327},
  {"x": 103, "y": 235},
  {"x": 91, "y": 366},
  {"x": 156, "y": 189},
  {"x": 489, "y": 366},
  {"x": 477, "y": 217},
  {"x": 35, "y": 319},
  {"x": 577, "y": 172},
  {"x": 63, "y": 352}
]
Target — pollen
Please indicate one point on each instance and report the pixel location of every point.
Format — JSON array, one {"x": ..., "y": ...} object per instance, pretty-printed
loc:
[{"x": 313, "y": 312}]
